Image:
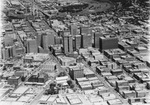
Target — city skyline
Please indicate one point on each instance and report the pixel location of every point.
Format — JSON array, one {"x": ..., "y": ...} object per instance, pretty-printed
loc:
[{"x": 75, "y": 52}]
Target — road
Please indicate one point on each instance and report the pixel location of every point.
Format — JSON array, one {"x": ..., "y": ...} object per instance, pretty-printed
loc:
[
  {"x": 106, "y": 84},
  {"x": 35, "y": 101}
]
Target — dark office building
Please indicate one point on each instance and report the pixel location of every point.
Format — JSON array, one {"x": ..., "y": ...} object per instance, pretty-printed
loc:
[
  {"x": 65, "y": 44},
  {"x": 108, "y": 42},
  {"x": 96, "y": 39},
  {"x": 68, "y": 44},
  {"x": 39, "y": 39},
  {"x": 77, "y": 42},
  {"x": 14, "y": 80},
  {"x": 86, "y": 40},
  {"x": 44, "y": 40}
]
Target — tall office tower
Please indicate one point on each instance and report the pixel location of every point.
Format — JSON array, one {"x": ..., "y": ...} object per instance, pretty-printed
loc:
[
  {"x": 70, "y": 40},
  {"x": 5, "y": 53},
  {"x": 96, "y": 39},
  {"x": 65, "y": 44},
  {"x": 68, "y": 44},
  {"x": 77, "y": 41},
  {"x": 73, "y": 29},
  {"x": 108, "y": 42},
  {"x": 39, "y": 39},
  {"x": 11, "y": 51},
  {"x": 86, "y": 40},
  {"x": 85, "y": 30},
  {"x": 51, "y": 35},
  {"x": 45, "y": 41},
  {"x": 31, "y": 46}
]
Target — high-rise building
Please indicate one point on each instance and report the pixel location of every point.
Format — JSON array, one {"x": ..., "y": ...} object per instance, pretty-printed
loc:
[
  {"x": 65, "y": 44},
  {"x": 51, "y": 35},
  {"x": 8, "y": 51},
  {"x": 11, "y": 51},
  {"x": 39, "y": 39},
  {"x": 68, "y": 44},
  {"x": 73, "y": 30},
  {"x": 70, "y": 40},
  {"x": 31, "y": 46},
  {"x": 96, "y": 39},
  {"x": 77, "y": 42},
  {"x": 86, "y": 40},
  {"x": 5, "y": 53},
  {"x": 47, "y": 40},
  {"x": 109, "y": 42}
]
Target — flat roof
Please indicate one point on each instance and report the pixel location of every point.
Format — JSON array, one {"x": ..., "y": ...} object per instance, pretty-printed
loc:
[
  {"x": 44, "y": 98},
  {"x": 21, "y": 90},
  {"x": 11, "y": 103}
]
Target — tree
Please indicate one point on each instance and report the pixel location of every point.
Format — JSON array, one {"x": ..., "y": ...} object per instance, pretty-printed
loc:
[
  {"x": 52, "y": 85},
  {"x": 23, "y": 78},
  {"x": 69, "y": 82},
  {"x": 61, "y": 74},
  {"x": 72, "y": 86}
]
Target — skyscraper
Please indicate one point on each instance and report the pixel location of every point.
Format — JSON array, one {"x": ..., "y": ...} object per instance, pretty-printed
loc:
[
  {"x": 86, "y": 40},
  {"x": 73, "y": 29},
  {"x": 5, "y": 53},
  {"x": 11, "y": 51},
  {"x": 77, "y": 41},
  {"x": 31, "y": 46},
  {"x": 39, "y": 39},
  {"x": 50, "y": 34},
  {"x": 65, "y": 44},
  {"x": 96, "y": 39},
  {"x": 45, "y": 41},
  {"x": 68, "y": 44}
]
